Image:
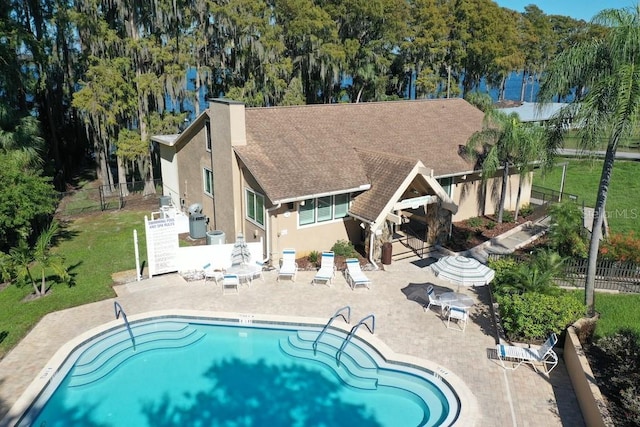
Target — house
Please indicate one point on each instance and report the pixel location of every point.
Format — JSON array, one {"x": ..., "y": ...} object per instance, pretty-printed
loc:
[{"x": 308, "y": 176}]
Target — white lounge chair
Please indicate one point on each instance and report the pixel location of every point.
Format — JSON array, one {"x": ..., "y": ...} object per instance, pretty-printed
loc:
[
  {"x": 460, "y": 315},
  {"x": 516, "y": 356},
  {"x": 210, "y": 273},
  {"x": 434, "y": 300},
  {"x": 355, "y": 276},
  {"x": 230, "y": 282},
  {"x": 289, "y": 268},
  {"x": 327, "y": 270}
]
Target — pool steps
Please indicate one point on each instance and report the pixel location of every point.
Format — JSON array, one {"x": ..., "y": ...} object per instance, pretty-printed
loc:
[
  {"x": 360, "y": 370},
  {"x": 96, "y": 362},
  {"x": 357, "y": 369}
]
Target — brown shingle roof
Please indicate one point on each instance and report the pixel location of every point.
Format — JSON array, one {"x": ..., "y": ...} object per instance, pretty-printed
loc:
[
  {"x": 305, "y": 150},
  {"x": 386, "y": 174}
]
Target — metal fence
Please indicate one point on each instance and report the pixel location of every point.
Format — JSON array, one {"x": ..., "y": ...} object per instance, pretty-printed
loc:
[
  {"x": 117, "y": 196},
  {"x": 610, "y": 275}
]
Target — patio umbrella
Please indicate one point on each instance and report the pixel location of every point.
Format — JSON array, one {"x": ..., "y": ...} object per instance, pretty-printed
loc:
[
  {"x": 240, "y": 254},
  {"x": 463, "y": 271}
]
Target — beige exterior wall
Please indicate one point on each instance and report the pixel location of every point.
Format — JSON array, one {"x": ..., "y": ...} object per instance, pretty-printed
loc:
[
  {"x": 469, "y": 195},
  {"x": 170, "y": 179}
]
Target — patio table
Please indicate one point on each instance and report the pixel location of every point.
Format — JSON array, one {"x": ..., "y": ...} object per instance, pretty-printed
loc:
[
  {"x": 456, "y": 299},
  {"x": 245, "y": 272}
]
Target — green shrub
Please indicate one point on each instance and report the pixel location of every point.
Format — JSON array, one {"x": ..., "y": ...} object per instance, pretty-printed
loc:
[
  {"x": 565, "y": 233},
  {"x": 490, "y": 225},
  {"x": 314, "y": 257},
  {"x": 526, "y": 210},
  {"x": 532, "y": 315},
  {"x": 618, "y": 373},
  {"x": 475, "y": 222},
  {"x": 344, "y": 248},
  {"x": 505, "y": 269},
  {"x": 507, "y": 216}
]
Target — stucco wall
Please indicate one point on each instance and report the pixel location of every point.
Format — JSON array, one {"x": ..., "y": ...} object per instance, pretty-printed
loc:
[
  {"x": 592, "y": 404},
  {"x": 170, "y": 180}
]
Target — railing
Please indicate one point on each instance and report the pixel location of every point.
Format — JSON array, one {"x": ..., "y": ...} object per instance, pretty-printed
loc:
[
  {"x": 336, "y": 314},
  {"x": 413, "y": 241},
  {"x": 118, "y": 309},
  {"x": 353, "y": 332}
]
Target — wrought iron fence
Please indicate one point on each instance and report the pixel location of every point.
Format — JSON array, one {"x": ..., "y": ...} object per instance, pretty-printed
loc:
[
  {"x": 610, "y": 275},
  {"x": 117, "y": 196}
]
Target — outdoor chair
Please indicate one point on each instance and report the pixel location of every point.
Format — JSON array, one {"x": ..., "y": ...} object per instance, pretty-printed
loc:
[
  {"x": 355, "y": 276},
  {"x": 230, "y": 282},
  {"x": 434, "y": 300},
  {"x": 543, "y": 355},
  {"x": 289, "y": 268},
  {"x": 327, "y": 270},
  {"x": 211, "y": 273},
  {"x": 460, "y": 315}
]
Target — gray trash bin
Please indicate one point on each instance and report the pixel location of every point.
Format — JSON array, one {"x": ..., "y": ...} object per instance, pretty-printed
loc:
[
  {"x": 216, "y": 237},
  {"x": 165, "y": 201},
  {"x": 197, "y": 226}
]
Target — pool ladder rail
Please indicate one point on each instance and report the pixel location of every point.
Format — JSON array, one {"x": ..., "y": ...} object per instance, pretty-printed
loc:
[
  {"x": 326, "y": 326},
  {"x": 119, "y": 310},
  {"x": 353, "y": 331}
]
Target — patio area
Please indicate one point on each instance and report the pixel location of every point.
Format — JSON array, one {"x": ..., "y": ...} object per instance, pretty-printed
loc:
[{"x": 396, "y": 298}]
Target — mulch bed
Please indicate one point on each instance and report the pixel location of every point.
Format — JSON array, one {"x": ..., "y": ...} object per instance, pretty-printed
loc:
[{"x": 466, "y": 235}]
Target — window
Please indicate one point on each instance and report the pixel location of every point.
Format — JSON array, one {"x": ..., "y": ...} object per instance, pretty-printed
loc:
[
  {"x": 445, "y": 183},
  {"x": 207, "y": 129},
  {"x": 323, "y": 209},
  {"x": 208, "y": 181},
  {"x": 255, "y": 207}
]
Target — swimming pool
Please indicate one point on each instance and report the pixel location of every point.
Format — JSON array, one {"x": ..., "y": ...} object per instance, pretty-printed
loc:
[{"x": 184, "y": 370}]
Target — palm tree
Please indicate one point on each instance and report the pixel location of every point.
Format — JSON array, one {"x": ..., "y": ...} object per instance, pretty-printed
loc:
[
  {"x": 606, "y": 76},
  {"x": 25, "y": 259},
  {"x": 505, "y": 142}
]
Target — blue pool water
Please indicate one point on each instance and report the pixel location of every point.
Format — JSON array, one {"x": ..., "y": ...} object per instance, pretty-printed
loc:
[{"x": 193, "y": 372}]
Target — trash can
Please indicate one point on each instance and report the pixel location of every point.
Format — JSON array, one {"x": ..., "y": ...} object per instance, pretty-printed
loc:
[
  {"x": 387, "y": 250},
  {"x": 197, "y": 226},
  {"x": 216, "y": 237}
]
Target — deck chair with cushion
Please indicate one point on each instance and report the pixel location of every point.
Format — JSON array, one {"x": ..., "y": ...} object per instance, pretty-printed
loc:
[
  {"x": 541, "y": 356},
  {"x": 434, "y": 300},
  {"x": 231, "y": 282},
  {"x": 460, "y": 315},
  {"x": 327, "y": 270},
  {"x": 289, "y": 268},
  {"x": 211, "y": 273},
  {"x": 355, "y": 276}
]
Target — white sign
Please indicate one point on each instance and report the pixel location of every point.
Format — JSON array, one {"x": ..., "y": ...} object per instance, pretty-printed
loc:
[{"x": 162, "y": 245}]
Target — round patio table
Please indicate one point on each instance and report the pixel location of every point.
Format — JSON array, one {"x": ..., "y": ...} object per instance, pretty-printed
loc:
[
  {"x": 456, "y": 299},
  {"x": 245, "y": 272}
]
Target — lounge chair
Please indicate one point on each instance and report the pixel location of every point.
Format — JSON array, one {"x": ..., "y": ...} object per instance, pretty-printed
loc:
[
  {"x": 434, "y": 300},
  {"x": 230, "y": 282},
  {"x": 543, "y": 355},
  {"x": 327, "y": 270},
  {"x": 460, "y": 315},
  {"x": 211, "y": 273},
  {"x": 289, "y": 268},
  {"x": 355, "y": 276}
]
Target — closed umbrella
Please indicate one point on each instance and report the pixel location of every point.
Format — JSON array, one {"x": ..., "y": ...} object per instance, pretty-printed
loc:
[
  {"x": 463, "y": 271},
  {"x": 240, "y": 254}
]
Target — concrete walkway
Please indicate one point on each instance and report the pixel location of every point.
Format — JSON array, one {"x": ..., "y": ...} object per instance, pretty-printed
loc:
[{"x": 517, "y": 398}]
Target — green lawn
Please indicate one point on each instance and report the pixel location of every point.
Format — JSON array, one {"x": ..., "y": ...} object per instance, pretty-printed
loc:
[
  {"x": 582, "y": 179},
  {"x": 94, "y": 246},
  {"x": 617, "y": 311}
]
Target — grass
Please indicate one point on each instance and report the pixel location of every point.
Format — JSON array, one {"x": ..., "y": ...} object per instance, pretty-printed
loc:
[
  {"x": 617, "y": 311},
  {"x": 94, "y": 247},
  {"x": 583, "y": 178},
  {"x": 631, "y": 145}
]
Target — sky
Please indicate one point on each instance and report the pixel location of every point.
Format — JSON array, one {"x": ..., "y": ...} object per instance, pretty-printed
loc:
[{"x": 577, "y": 9}]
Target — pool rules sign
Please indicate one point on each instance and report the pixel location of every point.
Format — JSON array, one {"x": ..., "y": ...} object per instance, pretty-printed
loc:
[{"x": 162, "y": 245}]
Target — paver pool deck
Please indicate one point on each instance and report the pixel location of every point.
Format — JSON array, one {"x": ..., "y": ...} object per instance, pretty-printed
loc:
[{"x": 396, "y": 298}]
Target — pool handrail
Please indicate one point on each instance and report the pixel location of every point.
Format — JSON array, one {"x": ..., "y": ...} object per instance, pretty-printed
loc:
[
  {"x": 353, "y": 332},
  {"x": 119, "y": 310},
  {"x": 326, "y": 326}
]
